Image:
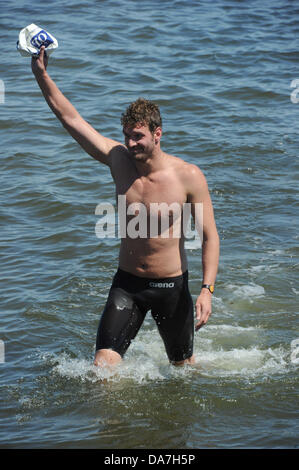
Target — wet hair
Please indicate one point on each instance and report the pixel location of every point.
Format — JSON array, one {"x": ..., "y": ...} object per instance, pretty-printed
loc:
[{"x": 143, "y": 112}]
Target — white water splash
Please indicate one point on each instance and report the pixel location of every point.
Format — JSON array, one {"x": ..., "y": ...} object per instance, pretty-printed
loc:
[
  {"x": 220, "y": 350},
  {"x": 246, "y": 291}
]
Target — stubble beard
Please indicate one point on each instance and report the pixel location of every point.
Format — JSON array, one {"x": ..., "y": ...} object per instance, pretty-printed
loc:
[{"x": 142, "y": 155}]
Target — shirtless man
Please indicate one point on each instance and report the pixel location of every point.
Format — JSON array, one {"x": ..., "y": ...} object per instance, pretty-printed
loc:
[{"x": 152, "y": 271}]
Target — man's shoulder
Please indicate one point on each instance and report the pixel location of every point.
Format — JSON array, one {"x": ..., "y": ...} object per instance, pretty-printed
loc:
[
  {"x": 119, "y": 158},
  {"x": 187, "y": 172},
  {"x": 119, "y": 151},
  {"x": 191, "y": 178}
]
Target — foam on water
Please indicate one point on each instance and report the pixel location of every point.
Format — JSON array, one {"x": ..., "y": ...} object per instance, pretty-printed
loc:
[
  {"x": 227, "y": 350},
  {"x": 251, "y": 362},
  {"x": 246, "y": 291},
  {"x": 221, "y": 350},
  {"x": 262, "y": 267}
]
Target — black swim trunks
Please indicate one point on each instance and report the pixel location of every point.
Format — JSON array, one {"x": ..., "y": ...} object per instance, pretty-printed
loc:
[{"x": 131, "y": 297}]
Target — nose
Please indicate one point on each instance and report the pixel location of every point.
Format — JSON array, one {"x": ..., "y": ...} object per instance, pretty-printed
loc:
[{"x": 132, "y": 143}]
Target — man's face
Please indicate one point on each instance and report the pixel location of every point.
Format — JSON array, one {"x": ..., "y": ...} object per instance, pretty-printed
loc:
[{"x": 139, "y": 141}]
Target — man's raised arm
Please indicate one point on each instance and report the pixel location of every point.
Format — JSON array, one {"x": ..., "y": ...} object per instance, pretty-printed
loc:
[{"x": 96, "y": 145}]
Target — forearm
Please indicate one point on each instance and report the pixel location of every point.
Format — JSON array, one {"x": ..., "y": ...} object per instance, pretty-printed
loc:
[
  {"x": 210, "y": 259},
  {"x": 96, "y": 145},
  {"x": 58, "y": 103}
]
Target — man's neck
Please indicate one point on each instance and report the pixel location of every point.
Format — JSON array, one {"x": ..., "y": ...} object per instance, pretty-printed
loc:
[{"x": 154, "y": 163}]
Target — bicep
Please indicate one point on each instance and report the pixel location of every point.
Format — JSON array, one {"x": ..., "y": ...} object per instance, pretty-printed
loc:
[
  {"x": 201, "y": 204},
  {"x": 95, "y": 144}
]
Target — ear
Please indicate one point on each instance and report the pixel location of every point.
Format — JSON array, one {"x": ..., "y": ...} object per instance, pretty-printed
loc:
[{"x": 158, "y": 134}]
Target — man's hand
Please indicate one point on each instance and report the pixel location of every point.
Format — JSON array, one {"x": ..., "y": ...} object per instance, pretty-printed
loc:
[
  {"x": 203, "y": 308},
  {"x": 39, "y": 63}
]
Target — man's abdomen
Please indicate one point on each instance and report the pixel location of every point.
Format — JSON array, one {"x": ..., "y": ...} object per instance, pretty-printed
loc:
[{"x": 154, "y": 258}]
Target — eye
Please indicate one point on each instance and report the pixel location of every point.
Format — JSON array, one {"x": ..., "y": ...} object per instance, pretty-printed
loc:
[{"x": 135, "y": 136}]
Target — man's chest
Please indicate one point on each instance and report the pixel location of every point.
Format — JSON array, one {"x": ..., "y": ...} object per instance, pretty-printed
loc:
[
  {"x": 154, "y": 204},
  {"x": 151, "y": 191}
]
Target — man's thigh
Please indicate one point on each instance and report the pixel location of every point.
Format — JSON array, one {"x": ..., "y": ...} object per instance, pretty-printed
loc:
[{"x": 119, "y": 323}]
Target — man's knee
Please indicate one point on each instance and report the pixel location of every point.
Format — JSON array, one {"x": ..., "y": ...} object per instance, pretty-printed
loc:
[{"x": 106, "y": 358}]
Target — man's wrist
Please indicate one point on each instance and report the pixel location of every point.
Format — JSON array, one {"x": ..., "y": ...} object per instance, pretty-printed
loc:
[{"x": 207, "y": 288}]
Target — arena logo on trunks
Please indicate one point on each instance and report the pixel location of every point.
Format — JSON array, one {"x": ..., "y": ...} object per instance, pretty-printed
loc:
[
  {"x": 155, "y": 220},
  {"x": 167, "y": 285}
]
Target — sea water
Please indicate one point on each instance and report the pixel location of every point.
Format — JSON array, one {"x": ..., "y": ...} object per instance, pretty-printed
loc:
[{"x": 224, "y": 74}]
